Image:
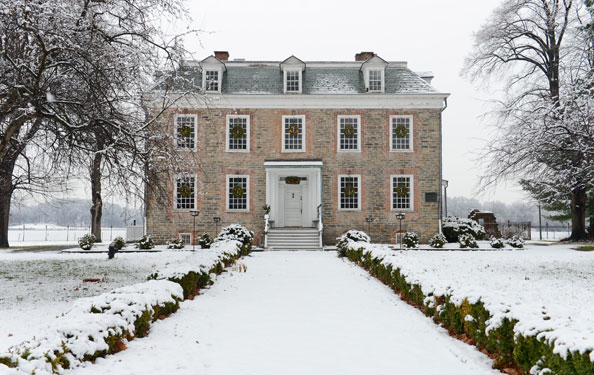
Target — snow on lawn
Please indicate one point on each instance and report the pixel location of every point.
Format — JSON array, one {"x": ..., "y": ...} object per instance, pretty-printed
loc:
[
  {"x": 548, "y": 289},
  {"x": 37, "y": 287},
  {"x": 295, "y": 313}
]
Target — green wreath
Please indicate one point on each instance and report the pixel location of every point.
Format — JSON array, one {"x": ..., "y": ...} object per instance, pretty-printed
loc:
[
  {"x": 237, "y": 132},
  {"x": 349, "y": 190},
  {"x": 401, "y": 131},
  {"x": 294, "y": 130},
  {"x": 237, "y": 191},
  {"x": 348, "y": 131},
  {"x": 402, "y": 191},
  {"x": 293, "y": 180},
  {"x": 184, "y": 191},
  {"x": 185, "y": 131}
]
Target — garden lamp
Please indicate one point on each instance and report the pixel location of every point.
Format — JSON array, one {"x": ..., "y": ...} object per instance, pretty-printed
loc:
[
  {"x": 194, "y": 214},
  {"x": 400, "y": 216}
]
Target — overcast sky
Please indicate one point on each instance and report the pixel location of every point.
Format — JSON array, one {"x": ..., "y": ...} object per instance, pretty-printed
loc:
[{"x": 433, "y": 35}]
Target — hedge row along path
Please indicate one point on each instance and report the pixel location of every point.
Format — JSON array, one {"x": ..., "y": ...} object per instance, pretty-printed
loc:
[{"x": 296, "y": 313}]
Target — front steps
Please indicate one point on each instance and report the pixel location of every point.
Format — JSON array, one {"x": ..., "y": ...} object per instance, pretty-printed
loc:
[{"x": 294, "y": 239}]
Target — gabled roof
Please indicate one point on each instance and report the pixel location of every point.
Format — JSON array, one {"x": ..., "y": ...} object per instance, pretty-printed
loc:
[
  {"x": 211, "y": 61},
  {"x": 375, "y": 61},
  {"x": 292, "y": 62}
]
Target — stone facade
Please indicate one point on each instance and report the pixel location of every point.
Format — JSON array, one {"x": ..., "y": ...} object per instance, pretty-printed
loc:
[{"x": 375, "y": 163}]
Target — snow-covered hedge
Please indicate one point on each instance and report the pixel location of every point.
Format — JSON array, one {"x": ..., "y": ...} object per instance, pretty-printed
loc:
[
  {"x": 524, "y": 338},
  {"x": 236, "y": 232},
  {"x": 453, "y": 227},
  {"x": 176, "y": 243},
  {"x": 87, "y": 241},
  {"x": 95, "y": 327},
  {"x": 348, "y": 240},
  {"x": 98, "y": 326},
  {"x": 497, "y": 243},
  {"x": 410, "y": 240},
  {"x": 516, "y": 242},
  {"x": 146, "y": 243},
  {"x": 437, "y": 241},
  {"x": 467, "y": 241}
]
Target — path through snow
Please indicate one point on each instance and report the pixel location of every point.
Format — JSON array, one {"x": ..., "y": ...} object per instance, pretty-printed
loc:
[{"x": 296, "y": 313}]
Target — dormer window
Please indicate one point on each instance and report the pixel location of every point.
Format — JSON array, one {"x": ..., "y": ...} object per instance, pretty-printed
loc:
[
  {"x": 293, "y": 81},
  {"x": 212, "y": 74},
  {"x": 292, "y": 69},
  {"x": 211, "y": 81},
  {"x": 373, "y": 70},
  {"x": 375, "y": 80}
]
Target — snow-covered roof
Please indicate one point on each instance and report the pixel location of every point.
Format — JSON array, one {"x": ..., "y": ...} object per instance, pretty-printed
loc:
[{"x": 331, "y": 77}]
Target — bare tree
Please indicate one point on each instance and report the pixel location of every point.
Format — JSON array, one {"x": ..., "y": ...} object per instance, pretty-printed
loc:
[
  {"x": 71, "y": 75},
  {"x": 538, "y": 48}
]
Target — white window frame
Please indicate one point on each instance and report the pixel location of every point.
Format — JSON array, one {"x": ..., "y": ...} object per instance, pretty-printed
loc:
[
  {"x": 247, "y": 133},
  {"x": 247, "y": 192},
  {"x": 177, "y": 177},
  {"x": 219, "y": 81},
  {"x": 300, "y": 72},
  {"x": 359, "y": 192},
  {"x": 303, "y": 136},
  {"x": 186, "y": 234},
  {"x": 412, "y": 193},
  {"x": 195, "y": 148},
  {"x": 411, "y": 133},
  {"x": 382, "y": 79},
  {"x": 358, "y": 117}
]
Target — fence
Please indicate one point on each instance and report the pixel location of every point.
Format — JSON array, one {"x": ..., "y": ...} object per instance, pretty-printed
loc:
[
  {"x": 55, "y": 234},
  {"x": 521, "y": 229}
]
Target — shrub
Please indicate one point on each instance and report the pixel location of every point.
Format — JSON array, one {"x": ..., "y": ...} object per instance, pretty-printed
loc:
[
  {"x": 516, "y": 242},
  {"x": 118, "y": 243},
  {"x": 205, "y": 241},
  {"x": 351, "y": 235},
  {"x": 467, "y": 241},
  {"x": 497, "y": 243},
  {"x": 410, "y": 240},
  {"x": 146, "y": 242},
  {"x": 438, "y": 241},
  {"x": 235, "y": 232},
  {"x": 176, "y": 243},
  {"x": 87, "y": 241},
  {"x": 453, "y": 227}
]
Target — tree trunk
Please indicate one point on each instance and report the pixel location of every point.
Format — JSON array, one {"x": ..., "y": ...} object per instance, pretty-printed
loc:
[
  {"x": 578, "y": 215},
  {"x": 97, "y": 207},
  {"x": 5, "y": 198}
]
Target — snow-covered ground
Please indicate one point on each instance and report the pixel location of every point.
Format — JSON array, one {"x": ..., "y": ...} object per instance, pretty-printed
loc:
[
  {"x": 36, "y": 287},
  {"x": 556, "y": 234},
  {"x": 50, "y": 234},
  {"x": 548, "y": 289},
  {"x": 295, "y": 313}
]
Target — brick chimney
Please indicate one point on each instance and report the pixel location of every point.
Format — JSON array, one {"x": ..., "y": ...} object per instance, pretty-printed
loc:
[
  {"x": 364, "y": 56},
  {"x": 222, "y": 55}
]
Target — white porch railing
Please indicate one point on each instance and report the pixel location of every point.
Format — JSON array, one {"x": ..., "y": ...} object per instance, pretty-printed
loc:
[
  {"x": 266, "y": 228},
  {"x": 320, "y": 226}
]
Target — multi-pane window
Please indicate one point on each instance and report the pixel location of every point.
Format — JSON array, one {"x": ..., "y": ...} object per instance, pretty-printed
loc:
[
  {"x": 293, "y": 133},
  {"x": 401, "y": 133},
  {"x": 349, "y": 133},
  {"x": 375, "y": 80},
  {"x": 238, "y": 132},
  {"x": 292, "y": 82},
  {"x": 349, "y": 192},
  {"x": 186, "y": 237},
  {"x": 185, "y": 193},
  {"x": 185, "y": 131},
  {"x": 211, "y": 82},
  {"x": 237, "y": 193},
  {"x": 402, "y": 192}
]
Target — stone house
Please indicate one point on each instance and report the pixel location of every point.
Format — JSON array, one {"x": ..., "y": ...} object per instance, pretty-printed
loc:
[{"x": 300, "y": 152}]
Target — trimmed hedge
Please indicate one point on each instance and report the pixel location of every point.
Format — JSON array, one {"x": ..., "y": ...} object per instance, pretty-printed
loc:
[
  {"x": 61, "y": 358},
  {"x": 506, "y": 347}
]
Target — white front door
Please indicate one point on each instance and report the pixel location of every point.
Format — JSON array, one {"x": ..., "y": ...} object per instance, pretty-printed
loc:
[{"x": 293, "y": 206}]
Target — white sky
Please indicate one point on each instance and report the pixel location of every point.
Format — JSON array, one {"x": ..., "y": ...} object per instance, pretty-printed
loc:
[{"x": 433, "y": 35}]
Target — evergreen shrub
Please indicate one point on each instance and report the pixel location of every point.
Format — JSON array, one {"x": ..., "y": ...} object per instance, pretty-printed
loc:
[
  {"x": 516, "y": 242},
  {"x": 497, "y": 243},
  {"x": 410, "y": 240},
  {"x": 452, "y": 227},
  {"x": 176, "y": 243},
  {"x": 467, "y": 241},
  {"x": 438, "y": 241},
  {"x": 146, "y": 242},
  {"x": 118, "y": 242},
  {"x": 87, "y": 241},
  {"x": 205, "y": 241}
]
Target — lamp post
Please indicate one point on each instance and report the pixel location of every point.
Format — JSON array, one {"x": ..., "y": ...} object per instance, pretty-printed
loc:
[
  {"x": 217, "y": 220},
  {"x": 400, "y": 216},
  {"x": 194, "y": 214},
  {"x": 369, "y": 219}
]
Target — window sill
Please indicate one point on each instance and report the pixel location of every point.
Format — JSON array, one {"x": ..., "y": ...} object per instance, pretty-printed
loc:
[
  {"x": 402, "y": 151},
  {"x": 292, "y": 151},
  {"x": 237, "y": 211},
  {"x": 240, "y": 151},
  {"x": 349, "y": 210},
  {"x": 349, "y": 151}
]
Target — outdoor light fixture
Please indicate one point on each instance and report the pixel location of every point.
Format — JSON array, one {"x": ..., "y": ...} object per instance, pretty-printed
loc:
[
  {"x": 194, "y": 214},
  {"x": 444, "y": 183},
  {"x": 369, "y": 219},
  {"x": 217, "y": 220},
  {"x": 400, "y": 216}
]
